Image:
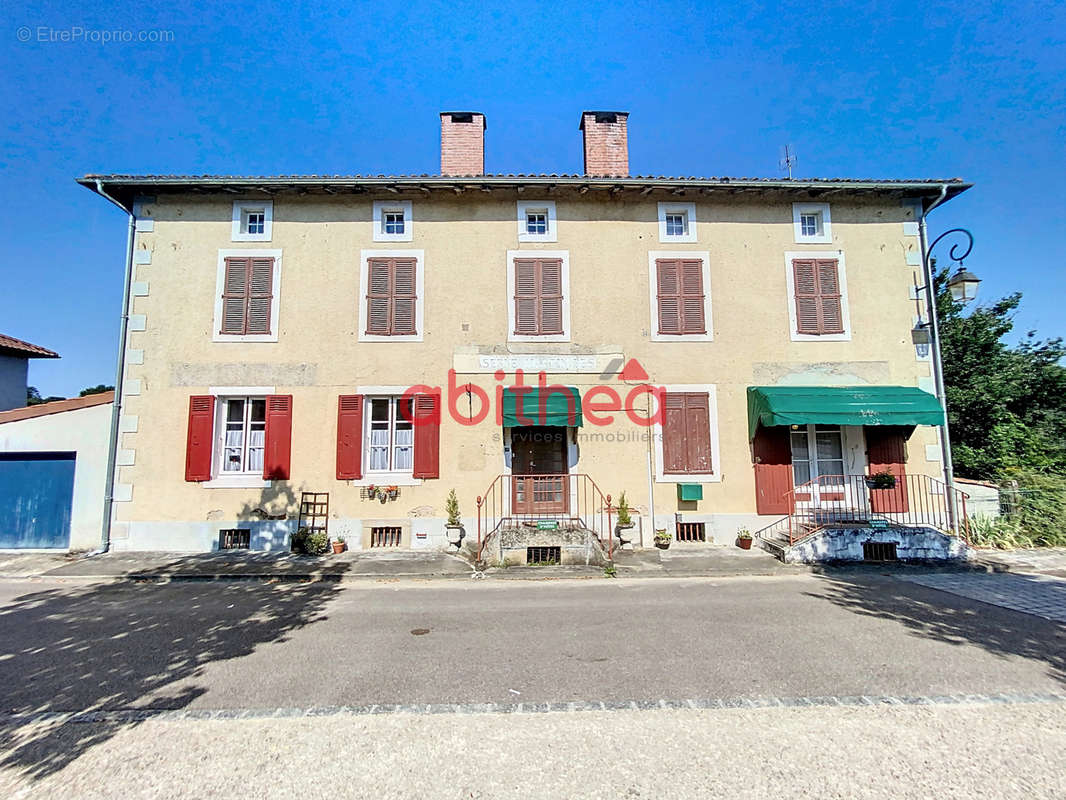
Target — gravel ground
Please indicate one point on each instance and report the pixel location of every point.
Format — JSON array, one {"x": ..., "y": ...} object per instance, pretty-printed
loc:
[{"x": 965, "y": 751}]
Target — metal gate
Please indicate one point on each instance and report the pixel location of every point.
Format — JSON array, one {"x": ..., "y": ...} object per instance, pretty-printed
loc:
[{"x": 36, "y": 494}]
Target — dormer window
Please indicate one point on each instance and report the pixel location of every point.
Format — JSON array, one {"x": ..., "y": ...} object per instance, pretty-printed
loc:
[
  {"x": 677, "y": 222},
  {"x": 252, "y": 220},
  {"x": 812, "y": 223},
  {"x": 536, "y": 221},
  {"x": 392, "y": 221}
]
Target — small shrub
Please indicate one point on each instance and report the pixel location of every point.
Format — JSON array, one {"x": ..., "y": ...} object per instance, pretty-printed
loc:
[
  {"x": 624, "y": 519},
  {"x": 882, "y": 480},
  {"x": 610, "y": 570},
  {"x": 743, "y": 533},
  {"x": 662, "y": 535},
  {"x": 452, "y": 508},
  {"x": 310, "y": 543}
]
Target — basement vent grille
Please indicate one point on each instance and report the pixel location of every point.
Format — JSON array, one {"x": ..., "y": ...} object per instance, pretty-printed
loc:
[
  {"x": 543, "y": 556},
  {"x": 235, "y": 539},
  {"x": 879, "y": 551},
  {"x": 691, "y": 532},
  {"x": 385, "y": 537}
]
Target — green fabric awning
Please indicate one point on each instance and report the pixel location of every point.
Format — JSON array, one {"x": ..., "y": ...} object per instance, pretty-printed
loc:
[
  {"x": 552, "y": 405},
  {"x": 841, "y": 405}
]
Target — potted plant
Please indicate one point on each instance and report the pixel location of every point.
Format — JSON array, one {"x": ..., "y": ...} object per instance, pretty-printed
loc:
[
  {"x": 371, "y": 492},
  {"x": 625, "y": 521},
  {"x": 339, "y": 545},
  {"x": 881, "y": 480},
  {"x": 393, "y": 492},
  {"x": 454, "y": 526},
  {"x": 744, "y": 539},
  {"x": 662, "y": 539}
]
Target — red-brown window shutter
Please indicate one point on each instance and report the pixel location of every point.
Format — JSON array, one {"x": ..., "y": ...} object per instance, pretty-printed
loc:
[
  {"x": 772, "y": 452},
  {"x": 427, "y": 436},
  {"x": 247, "y": 295},
  {"x": 350, "y": 437},
  {"x": 278, "y": 445},
  {"x": 538, "y": 296},
  {"x": 392, "y": 296},
  {"x": 818, "y": 298},
  {"x": 687, "y": 433},
  {"x": 200, "y": 438},
  {"x": 680, "y": 296}
]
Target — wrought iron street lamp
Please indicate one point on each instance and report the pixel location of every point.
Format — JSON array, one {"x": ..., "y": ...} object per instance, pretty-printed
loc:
[{"x": 963, "y": 287}]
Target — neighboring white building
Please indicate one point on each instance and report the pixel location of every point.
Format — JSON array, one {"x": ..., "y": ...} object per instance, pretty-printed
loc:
[
  {"x": 53, "y": 466},
  {"x": 14, "y": 369}
]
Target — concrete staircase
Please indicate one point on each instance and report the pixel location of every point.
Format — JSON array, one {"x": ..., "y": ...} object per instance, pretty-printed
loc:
[{"x": 518, "y": 543}]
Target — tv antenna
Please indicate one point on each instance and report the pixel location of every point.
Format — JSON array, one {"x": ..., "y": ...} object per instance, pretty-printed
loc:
[{"x": 788, "y": 159}]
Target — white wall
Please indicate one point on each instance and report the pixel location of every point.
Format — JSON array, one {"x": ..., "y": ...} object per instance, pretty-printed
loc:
[
  {"x": 85, "y": 432},
  {"x": 13, "y": 375}
]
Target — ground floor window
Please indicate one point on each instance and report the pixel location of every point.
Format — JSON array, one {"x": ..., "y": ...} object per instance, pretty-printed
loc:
[
  {"x": 243, "y": 435},
  {"x": 390, "y": 435},
  {"x": 817, "y": 452}
]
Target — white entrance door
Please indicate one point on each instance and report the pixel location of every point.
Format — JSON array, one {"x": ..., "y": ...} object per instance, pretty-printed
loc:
[{"x": 818, "y": 460}]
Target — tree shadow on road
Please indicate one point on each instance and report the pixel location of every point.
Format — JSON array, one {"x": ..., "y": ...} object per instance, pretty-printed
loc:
[
  {"x": 950, "y": 618},
  {"x": 129, "y": 646}
]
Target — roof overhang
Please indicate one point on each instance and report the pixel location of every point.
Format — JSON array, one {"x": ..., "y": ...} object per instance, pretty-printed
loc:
[{"x": 126, "y": 188}]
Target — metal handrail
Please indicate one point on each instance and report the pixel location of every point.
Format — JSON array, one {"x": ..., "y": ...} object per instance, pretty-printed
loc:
[
  {"x": 585, "y": 503},
  {"x": 914, "y": 500}
]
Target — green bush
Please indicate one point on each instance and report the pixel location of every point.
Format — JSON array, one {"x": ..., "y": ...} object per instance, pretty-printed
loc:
[
  {"x": 451, "y": 507},
  {"x": 624, "y": 520},
  {"x": 1034, "y": 506},
  {"x": 310, "y": 543}
]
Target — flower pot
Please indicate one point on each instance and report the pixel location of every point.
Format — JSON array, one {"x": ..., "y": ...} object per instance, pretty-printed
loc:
[
  {"x": 339, "y": 547},
  {"x": 455, "y": 534},
  {"x": 744, "y": 544},
  {"x": 662, "y": 544}
]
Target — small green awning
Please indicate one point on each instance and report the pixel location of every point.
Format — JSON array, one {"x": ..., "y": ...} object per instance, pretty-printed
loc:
[
  {"x": 841, "y": 405},
  {"x": 552, "y": 405}
]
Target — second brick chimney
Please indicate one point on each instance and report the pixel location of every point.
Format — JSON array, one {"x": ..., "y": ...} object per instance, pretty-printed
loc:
[
  {"x": 462, "y": 143},
  {"x": 606, "y": 142}
]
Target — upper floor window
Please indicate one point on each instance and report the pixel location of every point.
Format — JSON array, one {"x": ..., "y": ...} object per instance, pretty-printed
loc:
[
  {"x": 677, "y": 222},
  {"x": 391, "y": 289},
  {"x": 538, "y": 285},
  {"x": 680, "y": 295},
  {"x": 536, "y": 221},
  {"x": 252, "y": 220},
  {"x": 246, "y": 303},
  {"x": 812, "y": 223},
  {"x": 817, "y": 291},
  {"x": 392, "y": 221}
]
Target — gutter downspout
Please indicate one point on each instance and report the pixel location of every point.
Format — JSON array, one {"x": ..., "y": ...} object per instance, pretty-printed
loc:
[
  {"x": 116, "y": 408},
  {"x": 938, "y": 367}
]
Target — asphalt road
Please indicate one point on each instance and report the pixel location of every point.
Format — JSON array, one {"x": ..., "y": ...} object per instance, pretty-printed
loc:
[{"x": 246, "y": 645}]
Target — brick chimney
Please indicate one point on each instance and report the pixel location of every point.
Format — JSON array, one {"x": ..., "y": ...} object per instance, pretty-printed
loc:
[
  {"x": 462, "y": 143},
  {"x": 606, "y": 143}
]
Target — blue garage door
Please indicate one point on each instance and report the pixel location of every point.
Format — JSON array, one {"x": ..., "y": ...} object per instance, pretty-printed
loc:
[{"x": 36, "y": 492}]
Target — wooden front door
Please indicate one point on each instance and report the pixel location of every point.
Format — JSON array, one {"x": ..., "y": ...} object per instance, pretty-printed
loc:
[{"x": 538, "y": 464}]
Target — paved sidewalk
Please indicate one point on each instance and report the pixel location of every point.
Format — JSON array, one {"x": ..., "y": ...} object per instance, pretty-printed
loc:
[
  {"x": 1047, "y": 560},
  {"x": 1041, "y": 595}
]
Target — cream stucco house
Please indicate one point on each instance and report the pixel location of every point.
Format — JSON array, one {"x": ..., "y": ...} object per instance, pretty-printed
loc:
[{"x": 724, "y": 351}]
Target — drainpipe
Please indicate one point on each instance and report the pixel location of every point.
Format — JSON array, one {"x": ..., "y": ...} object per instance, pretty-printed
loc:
[
  {"x": 116, "y": 408},
  {"x": 938, "y": 366}
]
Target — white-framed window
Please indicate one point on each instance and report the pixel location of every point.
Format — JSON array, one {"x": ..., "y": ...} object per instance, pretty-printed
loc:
[
  {"x": 819, "y": 312},
  {"x": 390, "y": 435},
  {"x": 538, "y": 295},
  {"x": 812, "y": 223},
  {"x": 393, "y": 220},
  {"x": 391, "y": 295},
  {"x": 677, "y": 222},
  {"x": 536, "y": 221},
  {"x": 247, "y": 296},
  {"x": 238, "y": 449},
  {"x": 252, "y": 220},
  {"x": 680, "y": 295},
  {"x": 690, "y": 420},
  {"x": 817, "y": 452}
]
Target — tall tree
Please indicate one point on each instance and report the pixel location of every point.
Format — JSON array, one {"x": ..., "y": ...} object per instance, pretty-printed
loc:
[
  {"x": 1006, "y": 405},
  {"x": 98, "y": 389}
]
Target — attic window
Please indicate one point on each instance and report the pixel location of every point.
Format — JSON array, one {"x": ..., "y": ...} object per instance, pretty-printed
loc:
[{"x": 462, "y": 117}]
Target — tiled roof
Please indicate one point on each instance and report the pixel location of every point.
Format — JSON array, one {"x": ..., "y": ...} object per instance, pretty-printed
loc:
[
  {"x": 11, "y": 346},
  {"x": 56, "y": 407}
]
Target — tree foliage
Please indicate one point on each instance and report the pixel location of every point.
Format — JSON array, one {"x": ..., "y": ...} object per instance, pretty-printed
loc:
[
  {"x": 98, "y": 389},
  {"x": 1006, "y": 404}
]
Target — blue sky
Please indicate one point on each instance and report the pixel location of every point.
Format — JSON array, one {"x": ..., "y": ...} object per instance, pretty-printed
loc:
[{"x": 895, "y": 89}]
